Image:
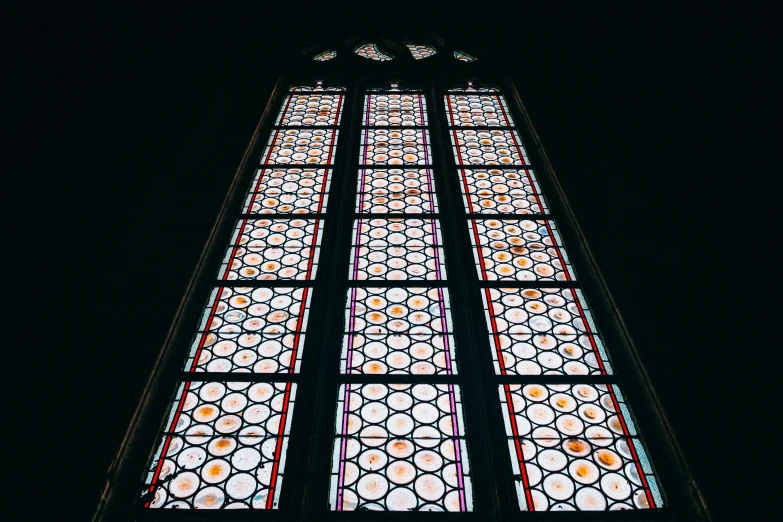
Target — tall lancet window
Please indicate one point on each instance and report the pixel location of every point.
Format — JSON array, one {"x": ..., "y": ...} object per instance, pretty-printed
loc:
[{"x": 397, "y": 312}]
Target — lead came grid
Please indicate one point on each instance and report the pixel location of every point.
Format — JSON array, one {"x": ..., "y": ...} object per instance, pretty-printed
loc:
[
  {"x": 573, "y": 446},
  {"x": 224, "y": 443},
  {"x": 398, "y": 447}
]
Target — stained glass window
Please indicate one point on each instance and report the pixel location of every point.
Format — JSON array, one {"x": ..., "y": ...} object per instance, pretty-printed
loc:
[
  {"x": 573, "y": 444},
  {"x": 372, "y": 52},
  {"x": 398, "y": 446},
  {"x": 464, "y": 57},
  {"x": 325, "y": 56},
  {"x": 224, "y": 443},
  {"x": 420, "y": 52},
  {"x": 398, "y": 301}
]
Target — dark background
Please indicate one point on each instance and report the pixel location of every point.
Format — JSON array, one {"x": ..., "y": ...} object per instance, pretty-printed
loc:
[{"x": 127, "y": 123}]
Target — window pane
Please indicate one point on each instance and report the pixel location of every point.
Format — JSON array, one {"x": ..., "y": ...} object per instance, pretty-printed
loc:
[
  {"x": 383, "y": 191},
  {"x": 543, "y": 331},
  {"x": 420, "y": 52},
  {"x": 395, "y": 147},
  {"x": 400, "y": 447},
  {"x": 574, "y": 449},
  {"x": 467, "y": 110},
  {"x": 394, "y": 110},
  {"x": 501, "y": 191},
  {"x": 311, "y": 109},
  {"x": 256, "y": 330},
  {"x": 288, "y": 191},
  {"x": 464, "y": 57},
  {"x": 325, "y": 56},
  {"x": 398, "y": 330},
  {"x": 224, "y": 446},
  {"x": 300, "y": 147},
  {"x": 273, "y": 249},
  {"x": 372, "y": 52},
  {"x": 489, "y": 147},
  {"x": 522, "y": 250},
  {"x": 397, "y": 249}
]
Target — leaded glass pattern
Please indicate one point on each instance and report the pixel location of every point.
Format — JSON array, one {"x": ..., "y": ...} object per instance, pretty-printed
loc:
[
  {"x": 224, "y": 446},
  {"x": 386, "y": 191},
  {"x": 258, "y": 330},
  {"x": 325, "y": 56},
  {"x": 419, "y": 52},
  {"x": 488, "y": 147},
  {"x": 288, "y": 191},
  {"x": 543, "y": 331},
  {"x": 394, "y": 110},
  {"x": 397, "y": 249},
  {"x": 479, "y": 109},
  {"x": 575, "y": 447},
  {"x": 299, "y": 146},
  {"x": 519, "y": 249},
  {"x": 398, "y": 330},
  {"x": 400, "y": 447},
  {"x": 501, "y": 191},
  {"x": 371, "y": 51},
  {"x": 309, "y": 109},
  {"x": 263, "y": 249},
  {"x": 464, "y": 57},
  {"x": 395, "y": 147}
]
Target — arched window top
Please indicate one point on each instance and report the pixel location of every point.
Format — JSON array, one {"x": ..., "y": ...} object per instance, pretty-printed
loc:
[
  {"x": 420, "y": 52},
  {"x": 325, "y": 56},
  {"x": 371, "y": 51},
  {"x": 475, "y": 88},
  {"x": 465, "y": 57}
]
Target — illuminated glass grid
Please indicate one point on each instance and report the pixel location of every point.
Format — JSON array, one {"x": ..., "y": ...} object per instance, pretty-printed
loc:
[
  {"x": 394, "y": 110},
  {"x": 371, "y": 52},
  {"x": 420, "y": 52},
  {"x": 258, "y": 330},
  {"x": 400, "y": 447},
  {"x": 325, "y": 56},
  {"x": 310, "y": 108},
  {"x": 517, "y": 249},
  {"x": 224, "y": 446},
  {"x": 395, "y": 147},
  {"x": 384, "y": 191},
  {"x": 575, "y": 447},
  {"x": 501, "y": 191},
  {"x": 397, "y": 249},
  {"x": 472, "y": 109},
  {"x": 398, "y": 330},
  {"x": 273, "y": 249},
  {"x": 488, "y": 147},
  {"x": 288, "y": 191},
  {"x": 300, "y": 146},
  {"x": 537, "y": 331}
]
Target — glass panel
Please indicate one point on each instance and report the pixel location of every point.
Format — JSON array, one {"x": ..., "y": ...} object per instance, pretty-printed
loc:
[
  {"x": 325, "y": 56},
  {"x": 256, "y": 330},
  {"x": 420, "y": 52},
  {"x": 546, "y": 330},
  {"x": 311, "y": 109},
  {"x": 395, "y": 147},
  {"x": 501, "y": 191},
  {"x": 372, "y": 52},
  {"x": 288, "y": 191},
  {"x": 394, "y": 109},
  {"x": 398, "y": 330},
  {"x": 300, "y": 146},
  {"x": 465, "y": 57},
  {"x": 489, "y": 147},
  {"x": 397, "y": 249},
  {"x": 468, "y": 110},
  {"x": 273, "y": 249},
  {"x": 396, "y": 191},
  {"x": 575, "y": 449},
  {"x": 319, "y": 87},
  {"x": 400, "y": 447},
  {"x": 224, "y": 446},
  {"x": 516, "y": 249}
]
